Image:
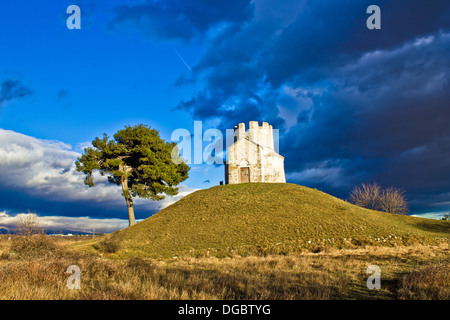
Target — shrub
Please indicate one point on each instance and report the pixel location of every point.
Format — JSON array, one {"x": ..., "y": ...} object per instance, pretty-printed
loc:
[
  {"x": 35, "y": 246},
  {"x": 110, "y": 244},
  {"x": 28, "y": 225},
  {"x": 317, "y": 249},
  {"x": 393, "y": 201},
  {"x": 366, "y": 196}
]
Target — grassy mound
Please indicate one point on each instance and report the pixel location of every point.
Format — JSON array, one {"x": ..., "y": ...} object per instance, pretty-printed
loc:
[{"x": 261, "y": 218}]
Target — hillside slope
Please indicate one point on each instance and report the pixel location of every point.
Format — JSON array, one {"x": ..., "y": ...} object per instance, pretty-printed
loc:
[{"x": 263, "y": 216}]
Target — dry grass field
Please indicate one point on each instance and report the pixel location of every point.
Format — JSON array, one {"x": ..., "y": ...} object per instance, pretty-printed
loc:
[{"x": 407, "y": 272}]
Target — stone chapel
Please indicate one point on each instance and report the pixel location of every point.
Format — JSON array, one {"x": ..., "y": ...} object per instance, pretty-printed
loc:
[{"x": 252, "y": 158}]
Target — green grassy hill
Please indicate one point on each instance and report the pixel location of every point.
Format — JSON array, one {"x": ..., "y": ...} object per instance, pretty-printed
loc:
[{"x": 269, "y": 218}]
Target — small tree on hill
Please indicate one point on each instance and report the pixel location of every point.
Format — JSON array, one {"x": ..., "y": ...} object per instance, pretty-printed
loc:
[
  {"x": 28, "y": 225},
  {"x": 372, "y": 196},
  {"x": 366, "y": 196},
  {"x": 393, "y": 201},
  {"x": 139, "y": 161}
]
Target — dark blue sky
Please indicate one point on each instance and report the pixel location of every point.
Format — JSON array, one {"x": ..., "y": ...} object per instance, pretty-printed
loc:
[{"x": 352, "y": 105}]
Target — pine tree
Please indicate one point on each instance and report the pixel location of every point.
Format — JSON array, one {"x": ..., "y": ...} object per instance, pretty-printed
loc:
[{"x": 139, "y": 161}]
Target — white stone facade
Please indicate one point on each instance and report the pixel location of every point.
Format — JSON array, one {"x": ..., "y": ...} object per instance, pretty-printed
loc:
[{"x": 252, "y": 157}]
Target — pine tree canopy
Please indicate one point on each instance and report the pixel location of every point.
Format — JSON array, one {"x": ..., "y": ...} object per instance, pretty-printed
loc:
[{"x": 138, "y": 159}]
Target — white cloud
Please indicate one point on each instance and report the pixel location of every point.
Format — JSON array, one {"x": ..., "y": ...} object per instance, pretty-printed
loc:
[
  {"x": 46, "y": 168},
  {"x": 82, "y": 145},
  {"x": 423, "y": 41},
  {"x": 430, "y": 215},
  {"x": 60, "y": 223}
]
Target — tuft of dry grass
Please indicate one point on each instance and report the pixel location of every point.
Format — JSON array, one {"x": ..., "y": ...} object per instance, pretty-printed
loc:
[
  {"x": 431, "y": 282},
  {"x": 110, "y": 244}
]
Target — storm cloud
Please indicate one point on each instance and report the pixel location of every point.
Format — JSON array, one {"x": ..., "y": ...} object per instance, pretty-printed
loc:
[
  {"x": 12, "y": 89},
  {"x": 179, "y": 19},
  {"x": 353, "y": 105}
]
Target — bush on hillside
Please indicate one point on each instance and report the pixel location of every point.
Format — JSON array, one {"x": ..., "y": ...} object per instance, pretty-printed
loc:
[
  {"x": 372, "y": 196},
  {"x": 34, "y": 246},
  {"x": 110, "y": 244}
]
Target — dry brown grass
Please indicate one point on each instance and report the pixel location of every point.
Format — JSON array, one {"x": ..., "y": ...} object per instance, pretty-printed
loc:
[
  {"x": 407, "y": 273},
  {"x": 33, "y": 246},
  {"x": 430, "y": 282}
]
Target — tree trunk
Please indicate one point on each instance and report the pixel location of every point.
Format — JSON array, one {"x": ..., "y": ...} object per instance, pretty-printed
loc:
[{"x": 128, "y": 199}]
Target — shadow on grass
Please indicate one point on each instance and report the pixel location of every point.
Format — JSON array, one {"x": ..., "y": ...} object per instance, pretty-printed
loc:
[
  {"x": 388, "y": 291},
  {"x": 443, "y": 228}
]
